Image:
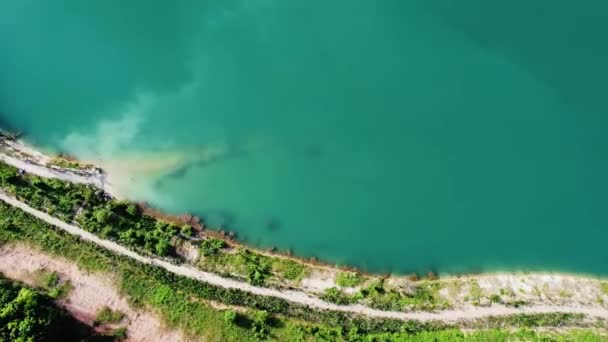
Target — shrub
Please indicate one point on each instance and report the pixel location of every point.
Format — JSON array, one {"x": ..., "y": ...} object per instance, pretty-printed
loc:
[
  {"x": 230, "y": 316},
  {"x": 349, "y": 279},
  {"x": 334, "y": 295},
  {"x": 108, "y": 316},
  {"x": 186, "y": 230},
  {"x": 102, "y": 216}
]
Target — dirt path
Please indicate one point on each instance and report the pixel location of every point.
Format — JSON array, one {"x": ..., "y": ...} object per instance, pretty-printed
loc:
[
  {"x": 298, "y": 296},
  {"x": 89, "y": 294}
]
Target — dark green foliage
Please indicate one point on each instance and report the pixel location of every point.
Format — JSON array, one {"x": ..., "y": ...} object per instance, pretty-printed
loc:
[
  {"x": 24, "y": 314},
  {"x": 50, "y": 282},
  {"x": 27, "y": 315},
  {"x": 102, "y": 216},
  {"x": 132, "y": 210}
]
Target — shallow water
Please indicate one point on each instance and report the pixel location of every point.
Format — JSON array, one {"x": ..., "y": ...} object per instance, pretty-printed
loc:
[{"x": 395, "y": 136}]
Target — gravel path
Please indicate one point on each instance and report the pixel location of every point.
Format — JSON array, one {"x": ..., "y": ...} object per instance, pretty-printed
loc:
[{"x": 298, "y": 296}]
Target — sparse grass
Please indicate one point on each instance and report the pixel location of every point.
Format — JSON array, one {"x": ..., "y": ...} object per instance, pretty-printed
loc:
[
  {"x": 120, "y": 333},
  {"x": 475, "y": 292},
  {"x": 46, "y": 279},
  {"x": 289, "y": 269},
  {"x": 108, "y": 316},
  {"x": 495, "y": 298},
  {"x": 61, "y": 291},
  {"x": 212, "y": 246},
  {"x": 349, "y": 279},
  {"x": 454, "y": 288},
  {"x": 604, "y": 287},
  {"x": 255, "y": 268},
  {"x": 50, "y": 281}
]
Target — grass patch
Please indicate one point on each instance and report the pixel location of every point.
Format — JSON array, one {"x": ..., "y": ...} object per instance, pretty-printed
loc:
[
  {"x": 69, "y": 164},
  {"x": 289, "y": 269},
  {"x": 475, "y": 293},
  {"x": 349, "y": 279},
  {"x": 108, "y": 316},
  {"x": 424, "y": 296},
  {"x": 604, "y": 287},
  {"x": 50, "y": 282}
]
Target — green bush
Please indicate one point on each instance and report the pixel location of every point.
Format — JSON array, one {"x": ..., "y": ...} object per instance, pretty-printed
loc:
[
  {"x": 108, "y": 316},
  {"x": 349, "y": 279},
  {"x": 211, "y": 246},
  {"x": 186, "y": 230}
]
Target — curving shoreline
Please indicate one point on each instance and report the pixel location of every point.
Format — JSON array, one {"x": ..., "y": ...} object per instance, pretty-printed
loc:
[
  {"x": 36, "y": 162},
  {"x": 300, "y": 295}
]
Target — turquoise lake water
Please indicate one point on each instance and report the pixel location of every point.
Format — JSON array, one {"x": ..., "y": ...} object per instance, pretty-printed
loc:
[{"x": 452, "y": 136}]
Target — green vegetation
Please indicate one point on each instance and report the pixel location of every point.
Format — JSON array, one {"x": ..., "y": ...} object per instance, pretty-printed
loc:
[
  {"x": 604, "y": 287},
  {"x": 349, "y": 279},
  {"x": 256, "y": 268},
  {"x": 69, "y": 164},
  {"x": 187, "y": 231},
  {"x": 24, "y": 314},
  {"x": 336, "y": 296},
  {"x": 114, "y": 220},
  {"x": 108, "y": 316},
  {"x": 230, "y": 316},
  {"x": 475, "y": 293},
  {"x": 212, "y": 246},
  {"x": 422, "y": 295},
  {"x": 28, "y": 315},
  {"x": 50, "y": 282}
]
